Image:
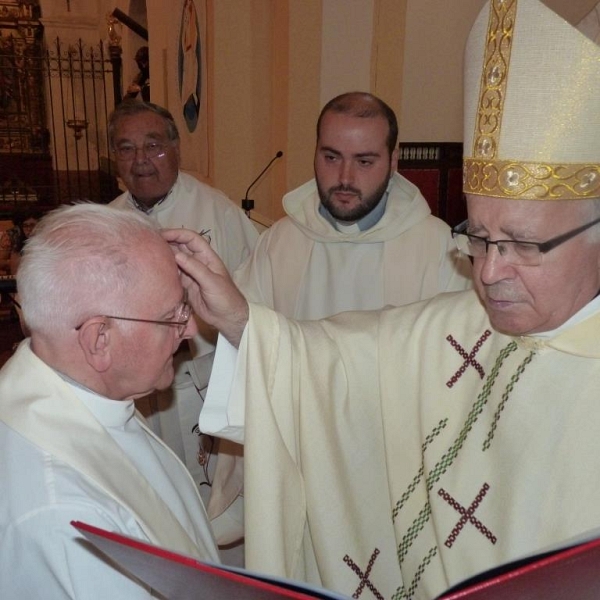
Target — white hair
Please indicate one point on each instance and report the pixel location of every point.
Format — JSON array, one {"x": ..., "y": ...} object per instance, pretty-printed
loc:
[
  {"x": 80, "y": 262},
  {"x": 591, "y": 211}
]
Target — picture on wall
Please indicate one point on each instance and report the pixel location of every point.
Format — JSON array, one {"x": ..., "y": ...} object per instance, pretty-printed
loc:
[
  {"x": 189, "y": 65},
  {"x": 186, "y": 81}
]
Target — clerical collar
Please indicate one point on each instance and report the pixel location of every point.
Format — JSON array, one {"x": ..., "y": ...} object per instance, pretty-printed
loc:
[
  {"x": 111, "y": 413},
  {"x": 365, "y": 223},
  {"x": 588, "y": 310},
  {"x": 148, "y": 209},
  {"x": 74, "y": 383}
]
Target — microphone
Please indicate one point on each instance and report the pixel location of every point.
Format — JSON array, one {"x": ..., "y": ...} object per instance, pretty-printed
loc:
[{"x": 247, "y": 204}]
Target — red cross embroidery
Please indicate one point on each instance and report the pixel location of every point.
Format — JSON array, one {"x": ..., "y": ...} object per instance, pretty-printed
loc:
[
  {"x": 469, "y": 358},
  {"x": 467, "y": 515},
  {"x": 364, "y": 577}
]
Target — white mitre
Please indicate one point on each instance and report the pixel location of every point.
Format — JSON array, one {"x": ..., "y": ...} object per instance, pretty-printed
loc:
[{"x": 532, "y": 105}]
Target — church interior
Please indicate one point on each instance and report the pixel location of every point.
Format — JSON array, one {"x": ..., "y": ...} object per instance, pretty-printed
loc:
[
  {"x": 290, "y": 179},
  {"x": 262, "y": 70}
]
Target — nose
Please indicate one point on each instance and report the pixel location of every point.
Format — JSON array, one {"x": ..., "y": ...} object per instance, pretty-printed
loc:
[
  {"x": 494, "y": 267},
  {"x": 140, "y": 154},
  {"x": 346, "y": 174}
]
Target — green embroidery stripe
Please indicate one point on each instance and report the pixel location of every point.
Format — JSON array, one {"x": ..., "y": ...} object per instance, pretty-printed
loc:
[
  {"x": 507, "y": 392},
  {"x": 413, "y": 485},
  {"x": 413, "y": 532},
  {"x": 448, "y": 458},
  {"x": 417, "y": 578},
  {"x": 436, "y": 431},
  {"x": 399, "y": 594},
  {"x": 404, "y": 498},
  {"x": 442, "y": 466}
]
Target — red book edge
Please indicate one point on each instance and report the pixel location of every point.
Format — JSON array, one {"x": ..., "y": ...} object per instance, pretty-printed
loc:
[
  {"x": 250, "y": 580},
  {"x": 521, "y": 568}
]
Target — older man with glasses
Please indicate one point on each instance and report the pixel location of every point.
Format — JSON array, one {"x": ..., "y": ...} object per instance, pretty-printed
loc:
[
  {"x": 102, "y": 297},
  {"x": 395, "y": 453},
  {"x": 145, "y": 142}
]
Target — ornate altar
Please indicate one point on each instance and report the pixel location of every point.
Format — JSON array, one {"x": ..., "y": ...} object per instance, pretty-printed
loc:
[{"x": 24, "y": 136}]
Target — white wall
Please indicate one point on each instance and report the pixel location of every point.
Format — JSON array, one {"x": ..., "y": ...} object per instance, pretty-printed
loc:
[
  {"x": 347, "y": 38},
  {"x": 436, "y": 33}
]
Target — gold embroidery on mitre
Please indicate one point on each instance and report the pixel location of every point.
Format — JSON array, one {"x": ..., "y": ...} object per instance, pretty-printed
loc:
[
  {"x": 531, "y": 181},
  {"x": 494, "y": 77}
]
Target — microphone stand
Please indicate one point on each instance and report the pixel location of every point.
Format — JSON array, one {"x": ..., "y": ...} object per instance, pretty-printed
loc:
[{"x": 247, "y": 204}]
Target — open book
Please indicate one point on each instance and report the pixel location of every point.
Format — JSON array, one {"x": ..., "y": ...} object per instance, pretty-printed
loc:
[
  {"x": 571, "y": 572},
  {"x": 179, "y": 577}
]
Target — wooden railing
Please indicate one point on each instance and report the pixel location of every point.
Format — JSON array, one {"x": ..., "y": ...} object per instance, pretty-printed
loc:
[{"x": 436, "y": 168}]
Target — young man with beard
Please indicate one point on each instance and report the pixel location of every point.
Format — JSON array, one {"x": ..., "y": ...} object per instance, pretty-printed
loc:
[{"x": 358, "y": 235}]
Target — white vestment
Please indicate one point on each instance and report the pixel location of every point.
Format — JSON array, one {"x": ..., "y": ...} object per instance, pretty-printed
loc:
[
  {"x": 69, "y": 454},
  {"x": 306, "y": 268},
  {"x": 197, "y": 206},
  {"x": 411, "y": 447}
]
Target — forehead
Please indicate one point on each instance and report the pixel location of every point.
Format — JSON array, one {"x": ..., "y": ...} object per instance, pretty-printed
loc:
[
  {"x": 342, "y": 129},
  {"x": 155, "y": 257},
  {"x": 158, "y": 279},
  {"x": 535, "y": 216},
  {"x": 140, "y": 125}
]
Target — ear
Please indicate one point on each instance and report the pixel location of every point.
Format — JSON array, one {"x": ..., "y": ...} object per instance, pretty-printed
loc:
[
  {"x": 95, "y": 338},
  {"x": 394, "y": 159}
]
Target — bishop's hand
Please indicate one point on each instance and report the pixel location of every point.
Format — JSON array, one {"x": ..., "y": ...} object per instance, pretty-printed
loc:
[{"x": 211, "y": 291}]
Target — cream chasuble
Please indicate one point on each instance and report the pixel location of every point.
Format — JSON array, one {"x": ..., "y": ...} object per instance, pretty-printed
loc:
[{"x": 399, "y": 452}]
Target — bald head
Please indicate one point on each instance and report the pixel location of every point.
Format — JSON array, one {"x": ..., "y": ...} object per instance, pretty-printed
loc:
[
  {"x": 100, "y": 290},
  {"x": 82, "y": 259},
  {"x": 364, "y": 106}
]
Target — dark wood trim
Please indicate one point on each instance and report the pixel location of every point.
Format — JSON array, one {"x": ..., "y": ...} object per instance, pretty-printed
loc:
[{"x": 444, "y": 160}]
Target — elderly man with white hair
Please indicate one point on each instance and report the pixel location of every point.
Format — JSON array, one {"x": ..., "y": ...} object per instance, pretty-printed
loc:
[
  {"x": 392, "y": 454},
  {"x": 102, "y": 298}
]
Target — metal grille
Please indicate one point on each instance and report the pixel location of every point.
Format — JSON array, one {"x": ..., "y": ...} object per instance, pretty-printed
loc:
[
  {"x": 54, "y": 104},
  {"x": 80, "y": 88}
]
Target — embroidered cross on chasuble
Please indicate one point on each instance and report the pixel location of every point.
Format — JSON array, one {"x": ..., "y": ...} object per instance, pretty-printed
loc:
[
  {"x": 431, "y": 484},
  {"x": 479, "y": 423}
]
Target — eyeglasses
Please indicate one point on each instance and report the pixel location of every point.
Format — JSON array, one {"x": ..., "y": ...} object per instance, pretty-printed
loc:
[
  {"x": 515, "y": 252},
  {"x": 205, "y": 233},
  {"x": 180, "y": 320},
  {"x": 129, "y": 151}
]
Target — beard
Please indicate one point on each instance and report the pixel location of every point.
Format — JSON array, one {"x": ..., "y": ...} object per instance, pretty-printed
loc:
[{"x": 357, "y": 211}]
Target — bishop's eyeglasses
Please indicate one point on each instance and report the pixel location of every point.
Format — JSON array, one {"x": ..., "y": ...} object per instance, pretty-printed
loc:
[
  {"x": 515, "y": 252},
  {"x": 180, "y": 320}
]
